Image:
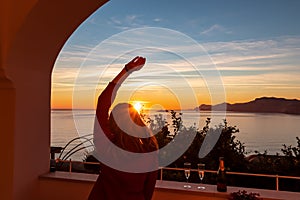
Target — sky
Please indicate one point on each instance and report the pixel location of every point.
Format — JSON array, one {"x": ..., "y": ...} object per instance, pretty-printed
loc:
[{"x": 198, "y": 52}]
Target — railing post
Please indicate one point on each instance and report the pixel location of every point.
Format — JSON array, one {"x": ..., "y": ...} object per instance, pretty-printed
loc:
[
  {"x": 277, "y": 182},
  {"x": 70, "y": 166}
]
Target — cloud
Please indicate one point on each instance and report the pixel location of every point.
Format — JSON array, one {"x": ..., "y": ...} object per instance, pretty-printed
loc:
[
  {"x": 257, "y": 82},
  {"x": 130, "y": 18},
  {"x": 129, "y": 21},
  {"x": 115, "y": 21},
  {"x": 157, "y": 19},
  {"x": 248, "y": 63},
  {"x": 216, "y": 28},
  {"x": 281, "y": 53}
]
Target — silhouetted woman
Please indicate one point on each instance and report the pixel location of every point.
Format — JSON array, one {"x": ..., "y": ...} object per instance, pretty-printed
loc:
[{"x": 123, "y": 129}]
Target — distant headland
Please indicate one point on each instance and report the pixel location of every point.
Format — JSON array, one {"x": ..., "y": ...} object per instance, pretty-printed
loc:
[{"x": 259, "y": 105}]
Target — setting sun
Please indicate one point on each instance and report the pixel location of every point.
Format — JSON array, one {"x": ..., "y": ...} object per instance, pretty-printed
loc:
[{"x": 138, "y": 106}]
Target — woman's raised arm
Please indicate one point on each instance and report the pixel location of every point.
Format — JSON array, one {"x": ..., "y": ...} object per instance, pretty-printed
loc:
[
  {"x": 108, "y": 95},
  {"x": 134, "y": 65}
]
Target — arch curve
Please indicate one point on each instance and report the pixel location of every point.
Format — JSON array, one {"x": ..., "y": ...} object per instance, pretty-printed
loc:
[
  {"x": 45, "y": 30},
  {"x": 27, "y": 56}
]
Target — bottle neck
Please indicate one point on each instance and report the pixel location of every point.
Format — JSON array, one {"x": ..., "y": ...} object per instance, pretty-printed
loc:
[{"x": 221, "y": 166}]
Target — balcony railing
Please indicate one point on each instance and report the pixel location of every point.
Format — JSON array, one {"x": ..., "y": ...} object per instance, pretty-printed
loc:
[{"x": 276, "y": 177}]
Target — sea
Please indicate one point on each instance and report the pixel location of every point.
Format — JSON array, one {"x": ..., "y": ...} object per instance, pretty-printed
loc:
[{"x": 258, "y": 131}]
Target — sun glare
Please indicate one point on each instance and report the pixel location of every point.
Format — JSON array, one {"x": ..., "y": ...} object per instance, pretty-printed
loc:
[{"x": 138, "y": 106}]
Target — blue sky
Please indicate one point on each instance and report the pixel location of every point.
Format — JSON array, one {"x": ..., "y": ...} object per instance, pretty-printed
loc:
[
  {"x": 254, "y": 45},
  {"x": 214, "y": 20}
]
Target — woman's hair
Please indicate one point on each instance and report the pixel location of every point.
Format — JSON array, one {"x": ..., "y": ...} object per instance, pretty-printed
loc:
[{"x": 131, "y": 132}]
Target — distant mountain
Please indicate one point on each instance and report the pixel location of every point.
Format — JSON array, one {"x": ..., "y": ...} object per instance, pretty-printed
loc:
[{"x": 259, "y": 105}]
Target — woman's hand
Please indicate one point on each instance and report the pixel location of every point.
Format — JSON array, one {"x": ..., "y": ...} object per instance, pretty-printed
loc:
[{"x": 135, "y": 64}]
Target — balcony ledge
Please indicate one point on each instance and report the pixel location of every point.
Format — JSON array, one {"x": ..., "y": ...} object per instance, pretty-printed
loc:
[
  {"x": 170, "y": 189},
  {"x": 211, "y": 191},
  {"x": 68, "y": 176}
]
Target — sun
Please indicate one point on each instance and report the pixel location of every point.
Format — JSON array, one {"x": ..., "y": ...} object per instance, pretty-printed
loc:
[{"x": 138, "y": 106}]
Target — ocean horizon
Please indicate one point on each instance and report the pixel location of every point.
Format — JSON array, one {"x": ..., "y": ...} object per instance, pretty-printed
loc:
[{"x": 258, "y": 131}]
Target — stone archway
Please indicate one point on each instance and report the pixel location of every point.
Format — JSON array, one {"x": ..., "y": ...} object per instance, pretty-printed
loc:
[{"x": 25, "y": 83}]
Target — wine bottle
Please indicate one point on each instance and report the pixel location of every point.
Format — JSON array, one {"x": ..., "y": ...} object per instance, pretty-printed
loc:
[{"x": 221, "y": 176}]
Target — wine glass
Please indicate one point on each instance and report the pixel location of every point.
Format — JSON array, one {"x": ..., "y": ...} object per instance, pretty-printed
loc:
[
  {"x": 201, "y": 168},
  {"x": 187, "y": 173}
]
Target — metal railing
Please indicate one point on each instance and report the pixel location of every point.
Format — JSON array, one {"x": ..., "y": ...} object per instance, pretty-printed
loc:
[
  {"x": 277, "y": 177},
  {"x": 161, "y": 169}
]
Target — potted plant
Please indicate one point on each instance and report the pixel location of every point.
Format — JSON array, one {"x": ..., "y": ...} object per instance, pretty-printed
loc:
[{"x": 243, "y": 195}]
